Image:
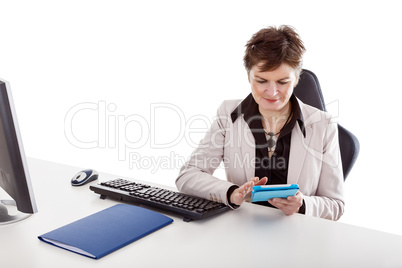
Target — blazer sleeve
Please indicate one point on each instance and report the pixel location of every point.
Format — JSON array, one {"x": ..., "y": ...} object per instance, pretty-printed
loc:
[
  {"x": 195, "y": 177},
  {"x": 328, "y": 202}
]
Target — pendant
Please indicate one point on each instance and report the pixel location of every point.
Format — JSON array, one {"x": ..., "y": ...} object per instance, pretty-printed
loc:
[{"x": 271, "y": 141}]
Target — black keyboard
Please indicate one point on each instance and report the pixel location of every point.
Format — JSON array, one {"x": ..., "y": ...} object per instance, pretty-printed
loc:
[{"x": 190, "y": 207}]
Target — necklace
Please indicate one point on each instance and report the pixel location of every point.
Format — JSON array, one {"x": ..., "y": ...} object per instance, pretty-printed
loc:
[{"x": 271, "y": 139}]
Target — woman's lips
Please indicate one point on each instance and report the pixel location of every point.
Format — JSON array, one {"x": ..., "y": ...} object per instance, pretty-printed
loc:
[{"x": 271, "y": 100}]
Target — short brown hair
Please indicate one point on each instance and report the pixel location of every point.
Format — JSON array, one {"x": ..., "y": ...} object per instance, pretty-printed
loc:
[{"x": 272, "y": 47}]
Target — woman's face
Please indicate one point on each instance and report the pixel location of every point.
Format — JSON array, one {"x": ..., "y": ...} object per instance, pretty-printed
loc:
[{"x": 272, "y": 89}]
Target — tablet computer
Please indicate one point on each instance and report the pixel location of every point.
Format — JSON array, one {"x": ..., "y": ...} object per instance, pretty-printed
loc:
[{"x": 265, "y": 192}]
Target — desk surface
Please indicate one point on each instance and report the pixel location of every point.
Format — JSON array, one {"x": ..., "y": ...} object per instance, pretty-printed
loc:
[{"x": 233, "y": 239}]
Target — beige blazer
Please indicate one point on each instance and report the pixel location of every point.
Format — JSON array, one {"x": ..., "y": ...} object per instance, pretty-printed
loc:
[{"x": 314, "y": 160}]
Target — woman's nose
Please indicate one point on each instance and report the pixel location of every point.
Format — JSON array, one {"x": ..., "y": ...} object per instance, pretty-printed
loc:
[{"x": 271, "y": 89}]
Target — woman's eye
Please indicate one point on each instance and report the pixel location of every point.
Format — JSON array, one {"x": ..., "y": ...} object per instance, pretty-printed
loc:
[
  {"x": 283, "y": 82},
  {"x": 261, "y": 81}
]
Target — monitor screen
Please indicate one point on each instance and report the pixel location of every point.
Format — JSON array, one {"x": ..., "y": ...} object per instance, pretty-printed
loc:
[{"x": 14, "y": 175}]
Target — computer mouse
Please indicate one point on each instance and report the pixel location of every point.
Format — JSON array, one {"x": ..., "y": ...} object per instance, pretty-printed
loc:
[{"x": 84, "y": 177}]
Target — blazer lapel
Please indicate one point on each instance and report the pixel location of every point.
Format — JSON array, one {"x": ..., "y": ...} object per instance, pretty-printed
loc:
[
  {"x": 300, "y": 145},
  {"x": 298, "y": 151},
  {"x": 248, "y": 152}
]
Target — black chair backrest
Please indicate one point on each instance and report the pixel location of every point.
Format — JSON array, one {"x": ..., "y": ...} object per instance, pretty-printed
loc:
[{"x": 308, "y": 90}]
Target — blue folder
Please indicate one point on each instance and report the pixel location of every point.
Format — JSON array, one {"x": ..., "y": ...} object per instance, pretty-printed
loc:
[{"x": 106, "y": 231}]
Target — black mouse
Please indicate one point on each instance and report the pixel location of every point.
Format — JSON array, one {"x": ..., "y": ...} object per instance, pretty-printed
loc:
[{"x": 84, "y": 177}]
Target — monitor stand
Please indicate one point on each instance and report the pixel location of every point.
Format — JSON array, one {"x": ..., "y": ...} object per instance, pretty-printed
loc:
[{"x": 9, "y": 213}]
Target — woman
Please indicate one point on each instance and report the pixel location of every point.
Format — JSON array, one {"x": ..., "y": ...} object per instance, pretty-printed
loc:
[{"x": 270, "y": 137}]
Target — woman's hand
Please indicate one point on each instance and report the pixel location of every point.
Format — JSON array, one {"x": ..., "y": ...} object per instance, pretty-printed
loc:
[
  {"x": 288, "y": 205},
  {"x": 238, "y": 195}
]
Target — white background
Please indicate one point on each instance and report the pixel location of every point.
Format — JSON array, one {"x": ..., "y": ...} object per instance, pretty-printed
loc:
[{"x": 97, "y": 70}]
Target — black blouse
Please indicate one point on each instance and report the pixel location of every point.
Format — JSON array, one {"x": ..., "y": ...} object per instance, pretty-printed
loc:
[{"x": 276, "y": 167}]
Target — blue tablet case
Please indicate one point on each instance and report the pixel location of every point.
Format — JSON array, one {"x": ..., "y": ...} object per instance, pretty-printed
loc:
[
  {"x": 261, "y": 193},
  {"x": 106, "y": 231}
]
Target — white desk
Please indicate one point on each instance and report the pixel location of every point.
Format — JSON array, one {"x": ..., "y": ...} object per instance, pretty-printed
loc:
[{"x": 234, "y": 239}]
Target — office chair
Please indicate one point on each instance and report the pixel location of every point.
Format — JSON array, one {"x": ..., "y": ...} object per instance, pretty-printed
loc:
[{"x": 308, "y": 90}]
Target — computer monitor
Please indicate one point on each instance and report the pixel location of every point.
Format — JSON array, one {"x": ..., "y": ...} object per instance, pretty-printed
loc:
[{"x": 14, "y": 176}]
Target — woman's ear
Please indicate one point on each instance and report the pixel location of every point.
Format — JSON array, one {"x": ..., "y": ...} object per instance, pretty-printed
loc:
[{"x": 298, "y": 72}]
